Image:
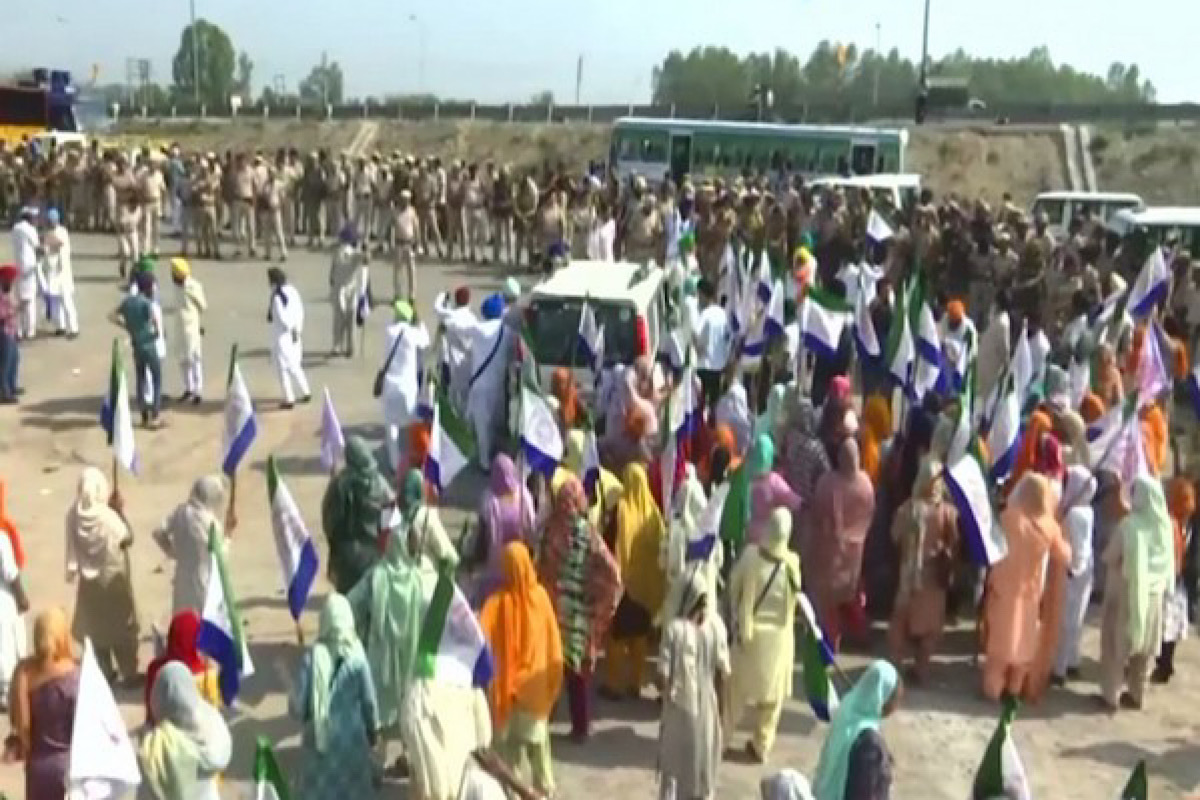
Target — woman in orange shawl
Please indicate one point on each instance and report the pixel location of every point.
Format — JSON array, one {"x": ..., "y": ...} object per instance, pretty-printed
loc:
[
  {"x": 415, "y": 455},
  {"x": 1017, "y": 605},
  {"x": 521, "y": 629},
  {"x": 1181, "y": 502},
  {"x": 1040, "y": 423},
  {"x": 723, "y": 437},
  {"x": 877, "y": 429},
  {"x": 562, "y": 386},
  {"x": 1109, "y": 385},
  {"x": 1155, "y": 437}
]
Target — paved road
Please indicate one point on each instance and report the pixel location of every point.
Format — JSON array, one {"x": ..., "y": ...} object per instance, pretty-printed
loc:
[{"x": 1071, "y": 752}]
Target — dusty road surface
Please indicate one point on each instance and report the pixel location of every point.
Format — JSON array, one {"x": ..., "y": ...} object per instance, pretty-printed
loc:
[{"x": 1072, "y": 750}]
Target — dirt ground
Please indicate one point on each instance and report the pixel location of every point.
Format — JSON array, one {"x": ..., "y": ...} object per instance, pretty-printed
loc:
[{"x": 1072, "y": 750}]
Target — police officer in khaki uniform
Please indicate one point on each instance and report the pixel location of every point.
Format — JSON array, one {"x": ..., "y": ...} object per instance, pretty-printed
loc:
[
  {"x": 407, "y": 232},
  {"x": 270, "y": 213}
]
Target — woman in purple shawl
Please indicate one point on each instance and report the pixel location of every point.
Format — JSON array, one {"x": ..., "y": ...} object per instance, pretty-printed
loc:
[{"x": 505, "y": 515}]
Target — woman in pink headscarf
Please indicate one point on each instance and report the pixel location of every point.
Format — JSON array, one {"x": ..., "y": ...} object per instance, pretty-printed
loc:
[
  {"x": 838, "y": 418},
  {"x": 1012, "y": 614},
  {"x": 505, "y": 515},
  {"x": 845, "y": 504}
]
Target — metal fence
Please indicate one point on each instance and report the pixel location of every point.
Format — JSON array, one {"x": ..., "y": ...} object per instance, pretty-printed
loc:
[{"x": 603, "y": 114}]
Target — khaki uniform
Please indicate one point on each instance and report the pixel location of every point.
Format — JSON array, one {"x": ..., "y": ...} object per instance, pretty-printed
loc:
[
  {"x": 206, "y": 189},
  {"x": 425, "y": 201},
  {"x": 364, "y": 200},
  {"x": 129, "y": 216},
  {"x": 407, "y": 230},
  {"x": 243, "y": 207},
  {"x": 151, "y": 188},
  {"x": 334, "y": 198},
  {"x": 475, "y": 219},
  {"x": 524, "y": 211},
  {"x": 643, "y": 239},
  {"x": 270, "y": 215}
]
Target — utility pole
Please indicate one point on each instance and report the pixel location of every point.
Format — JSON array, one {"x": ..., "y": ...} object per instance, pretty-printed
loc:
[
  {"x": 578, "y": 78},
  {"x": 878, "y": 69},
  {"x": 925, "y": 51},
  {"x": 195, "y": 56},
  {"x": 324, "y": 78}
]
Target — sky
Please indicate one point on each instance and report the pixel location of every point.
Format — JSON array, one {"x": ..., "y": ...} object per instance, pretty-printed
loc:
[{"x": 508, "y": 50}]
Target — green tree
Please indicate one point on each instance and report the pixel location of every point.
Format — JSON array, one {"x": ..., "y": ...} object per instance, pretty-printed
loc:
[
  {"x": 324, "y": 84},
  {"x": 705, "y": 77},
  {"x": 216, "y": 60},
  {"x": 245, "y": 76},
  {"x": 543, "y": 98}
]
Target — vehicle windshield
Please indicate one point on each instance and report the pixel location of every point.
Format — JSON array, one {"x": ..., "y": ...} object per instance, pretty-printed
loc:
[{"x": 554, "y": 327}]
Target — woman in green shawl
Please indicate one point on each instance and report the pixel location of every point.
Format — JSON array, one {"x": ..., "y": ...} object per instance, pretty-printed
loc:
[
  {"x": 350, "y": 515},
  {"x": 855, "y": 763},
  {"x": 1140, "y": 564},
  {"x": 335, "y": 699},
  {"x": 389, "y": 605}
]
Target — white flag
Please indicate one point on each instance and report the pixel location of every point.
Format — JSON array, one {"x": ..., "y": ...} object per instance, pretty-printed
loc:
[
  {"x": 103, "y": 763},
  {"x": 878, "y": 229},
  {"x": 540, "y": 438}
]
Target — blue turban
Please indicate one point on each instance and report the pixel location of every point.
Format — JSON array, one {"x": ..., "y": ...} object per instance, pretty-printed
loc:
[
  {"x": 53, "y": 217},
  {"x": 492, "y": 307},
  {"x": 348, "y": 235}
]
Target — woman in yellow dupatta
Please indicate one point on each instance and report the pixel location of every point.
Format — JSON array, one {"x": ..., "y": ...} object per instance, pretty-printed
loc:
[
  {"x": 638, "y": 539},
  {"x": 521, "y": 629}
]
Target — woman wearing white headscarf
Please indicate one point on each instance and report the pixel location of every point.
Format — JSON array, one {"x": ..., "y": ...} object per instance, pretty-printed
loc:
[
  {"x": 765, "y": 585},
  {"x": 183, "y": 536},
  {"x": 693, "y": 661},
  {"x": 98, "y": 540},
  {"x": 184, "y": 751},
  {"x": 335, "y": 699},
  {"x": 1078, "y": 522}
]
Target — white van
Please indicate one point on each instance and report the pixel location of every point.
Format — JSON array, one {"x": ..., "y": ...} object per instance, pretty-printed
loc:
[
  {"x": 1162, "y": 223},
  {"x": 901, "y": 190},
  {"x": 1061, "y": 207},
  {"x": 629, "y": 302}
]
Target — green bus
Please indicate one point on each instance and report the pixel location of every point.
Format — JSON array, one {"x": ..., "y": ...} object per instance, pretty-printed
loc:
[{"x": 654, "y": 148}]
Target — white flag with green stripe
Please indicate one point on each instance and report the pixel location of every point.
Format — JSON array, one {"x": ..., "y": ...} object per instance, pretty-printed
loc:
[{"x": 268, "y": 778}]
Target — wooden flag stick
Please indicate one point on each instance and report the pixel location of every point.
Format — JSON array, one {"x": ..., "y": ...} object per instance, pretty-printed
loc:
[
  {"x": 299, "y": 633},
  {"x": 231, "y": 519}
]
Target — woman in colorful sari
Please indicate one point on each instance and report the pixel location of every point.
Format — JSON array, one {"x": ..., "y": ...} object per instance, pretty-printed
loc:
[
  {"x": 803, "y": 464},
  {"x": 350, "y": 515},
  {"x": 1140, "y": 560},
  {"x": 42, "y": 708},
  {"x": 335, "y": 701},
  {"x": 876, "y": 433},
  {"x": 768, "y": 489},
  {"x": 182, "y": 754},
  {"x": 1038, "y": 425},
  {"x": 1016, "y": 586},
  {"x": 693, "y": 664},
  {"x": 584, "y": 584},
  {"x": 638, "y": 540},
  {"x": 1181, "y": 501},
  {"x": 633, "y": 442},
  {"x": 181, "y": 647},
  {"x": 842, "y": 513},
  {"x": 1156, "y": 438},
  {"x": 421, "y": 523},
  {"x": 98, "y": 541},
  {"x": 764, "y": 588},
  {"x": 838, "y": 418},
  {"x": 506, "y": 514},
  {"x": 522, "y": 631},
  {"x": 925, "y": 530},
  {"x": 855, "y": 763}
]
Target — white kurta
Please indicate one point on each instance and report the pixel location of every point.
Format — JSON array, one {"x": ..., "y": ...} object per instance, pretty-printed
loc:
[
  {"x": 1078, "y": 526},
  {"x": 190, "y": 305},
  {"x": 459, "y": 323},
  {"x": 486, "y": 342},
  {"x": 400, "y": 389},
  {"x": 287, "y": 328},
  {"x": 58, "y": 271},
  {"x": 25, "y": 243},
  {"x": 442, "y": 725}
]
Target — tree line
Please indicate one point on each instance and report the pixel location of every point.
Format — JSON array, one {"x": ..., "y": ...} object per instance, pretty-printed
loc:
[{"x": 840, "y": 76}]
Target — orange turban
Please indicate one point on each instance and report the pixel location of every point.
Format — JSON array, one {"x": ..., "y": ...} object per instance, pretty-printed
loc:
[
  {"x": 955, "y": 310},
  {"x": 1092, "y": 408}
]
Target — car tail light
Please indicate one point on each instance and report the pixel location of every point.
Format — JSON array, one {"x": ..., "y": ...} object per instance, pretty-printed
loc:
[{"x": 643, "y": 336}]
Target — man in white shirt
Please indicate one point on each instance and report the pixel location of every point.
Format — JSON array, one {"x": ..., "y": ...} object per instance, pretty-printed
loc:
[
  {"x": 286, "y": 315},
  {"x": 59, "y": 276},
  {"x": 27, "y": 249},
  {"x": 712, "y": 338},
  {"x": 489, "y": 355},
  {"x": 407, "y": 337},
  {"x": 457, "y": 318}
]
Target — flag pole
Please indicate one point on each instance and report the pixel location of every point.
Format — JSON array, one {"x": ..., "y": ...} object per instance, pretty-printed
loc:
[
  {"x": 299, "y": 633},
  {"x": 116, "y": 476},
  {"x": 231, "y": 508}
]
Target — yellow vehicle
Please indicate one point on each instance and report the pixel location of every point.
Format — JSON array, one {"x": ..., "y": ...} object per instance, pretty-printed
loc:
[{"x": 44, "y": 102}]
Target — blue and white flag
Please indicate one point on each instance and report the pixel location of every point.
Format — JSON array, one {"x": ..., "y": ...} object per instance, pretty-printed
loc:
[
  {"x": 541, "y": 440},
  {"x": 240, "y": 424},
  {"x": 220, "y": 636},
  {"x": 1022, "y": 366},
  {"x": 451, "y": 647},
  {"x": 591, "y": 463},
  {"x": 816, "y": 656},
  {"x": 1151, "y": 285},
  {"x": 878, "y": 229},
  {"x": 968, "y": 487},
  {"x": 763, "y": 284},
  {"x": 1152, "y": 377},
  {"x": 1193, "y": 383},
  {"x": 297, "y": 555},
  {"x": 774, "y": 325},
  {"x": 1004, "y": 433},
  {"x": 865, "y": 337},
  {"x": 929, "y": 343},
  {"x": 333, "y": 440},
  {"x": 591, "y": 338},
  {"x": 451, "y": 445},
  {"x": 823, "y": 318}
]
